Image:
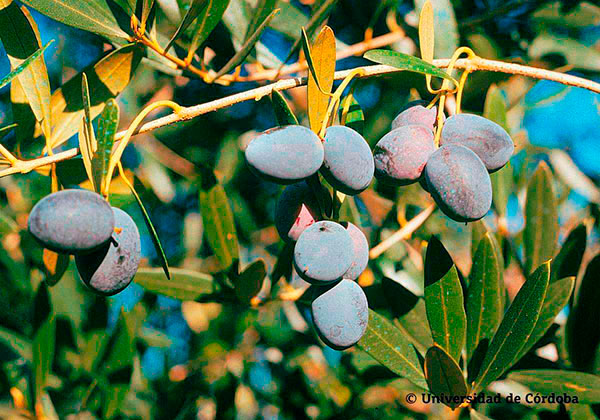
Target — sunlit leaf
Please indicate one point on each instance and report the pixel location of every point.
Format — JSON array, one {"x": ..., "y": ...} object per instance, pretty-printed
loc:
[
  {"x": 321, "y": 59},
  {"x": 106, "y": 79},
  {"x": 541, "y": 219},
  {"x": 484, "y": 295},
  {"x": 406, "y": 62},
  {"x": 444, "y": 376},
  {"x": 444, "y": 300},
  {"x": 386, "y": 344},
  {"x": 516, "y": 328},
  {"x": 583, "y": 385},
  {"x": 90, "y": 15},
  {"x": 444, "y": 21},
  {"x": 20, "y": 37},
  {"x": 184, "y": 284}
]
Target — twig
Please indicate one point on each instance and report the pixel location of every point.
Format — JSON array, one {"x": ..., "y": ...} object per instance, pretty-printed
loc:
[
  {"x": 414, "y": 224},
  {"x": 474, "y": 64}
]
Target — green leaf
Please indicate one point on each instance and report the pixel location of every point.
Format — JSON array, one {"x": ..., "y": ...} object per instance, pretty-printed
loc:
[
  {"x": 515, "y": 329},
  {"x": 545, "y": 381},
  {"x": 582, "y": 334},
  {"x": 541, "y": 220},
  {"x": 44, "y": 337},
  {"x": 154, "y": 338},
  {"x": 87, "y": 138},
  {"x": 406, "y": 62},
  {"x": 568, "y": 260},
  {"x": 502, "y": 186},
  {"x": 218, "y": 221},
  {"x": 575, "y": 52},
  {"x": 556, "y": 299},
  {"x": 352, "y": 114},
  {"x": 283, "y": 266},
  {"x": 16, "y": 343},
  {"x": 107, "y": 78},
  {"x": 444, "y": 377},
  {"x": 246, "y": 48},
  {"x": 207, "y": 22},
  {"x": 248, "y": 284},
  {"x": 7, "y": 224},
  {"x": 90, "y": 15},
  {"x": 484, "y": 296},
  {"x": 283, "y": 113},
  {"x": 153, "y": 235},
  {"x": 6, "y": 79},
  {"x": 107, "y": 128},
  {"x": 388, "y": 346},
  {"x": 321, "y": 63},
  {"x": 475, "y": 415},
  {"x": 444, "y": 300},
  {"x": 184, "y": 284},
  {"x": 20, "y": 37},
  {"x": 262, "y": 10},
  {"x": 55, "y": 266},
  {"x": 196, "y": 7},
  {"x": 144, "y": 7},
  {"x": 494, "y": 107},
  {"x": 447, "y": 36}
]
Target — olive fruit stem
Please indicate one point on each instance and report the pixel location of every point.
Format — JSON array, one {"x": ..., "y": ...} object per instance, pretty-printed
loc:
[
  {"x": 403, "y": 233},
  {"x": 118, "y": 153}
]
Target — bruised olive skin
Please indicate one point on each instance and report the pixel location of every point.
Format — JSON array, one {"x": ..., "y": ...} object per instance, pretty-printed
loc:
[
  {"x": 459, "y": 183},
  {"x": 73, "y": 221},
  {"x": 111, "y": 269},
  {"x": 341, "y": 314},
  {"x": 348, "y": 164},
  {"x": 487, "y": 139},
  {"x": 285, "y": 155}
]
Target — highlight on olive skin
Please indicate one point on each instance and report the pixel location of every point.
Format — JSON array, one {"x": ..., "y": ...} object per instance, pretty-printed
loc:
[
  {"x": 459, "y": 183},
  {"x": 416, "y": 113},
  {"x": 360, "y": 251},
  {"x": 341, "y": 314},
  {"x": 62, "y": 221},
  {"x": 285, "y": 155},
  {"x": 323, "y": 253},
  {"x": 298, "y": 208},
  {"x": 487, "y": 139},
  {"x": 111, "y": 269},
  {"x": 401, "y": 155},
  {"x": 348, "y": 164}
]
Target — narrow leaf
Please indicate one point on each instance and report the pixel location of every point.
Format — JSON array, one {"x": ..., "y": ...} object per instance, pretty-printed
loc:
[
  {"x": 196, "y": 7},
  {"x": 184, "y": 284},
  {"x": 248, "y": 284},
  {"x": 262, "y": 10},
  {"x": 582, "y": 347},
  {"x": 444, "y": 377},
  {"x": 20, "y": 37},
  {"x": 153, "y": 235},
  {"x": 321, "y": 62},
  {"x": 44, "y": 336},
  {"x": 145, "y": 7},
  {"x": 388, "y": 346},
  {"x": 444, "y": 21},
  {"x": 107, "y": 78},
  {"x": 107, "y": 128},
  {"x": 283, "y": 113},
  {"x": 87, "y": 138},
  {"x": 568, "y": 260},
  {"x": 484, "y": 296},
  {"x": 515, "y": 329},
  {"x": 444, "y": 300},
  {"x": 426, "y": 32},
  {"x": 541, "y": 220},
  {"x": 556, "y": 299},
  {"x": 92, "y": 16},
  {"x": 16, "y": 343},
  {"x": 583, "y": 385},
  {"x": 28, "y": 61},
  {"x": 241, "y": 55},
  {"x": 206, "y": 23},
  {"x": 55, "y": 266},
  {"x": 352, "y": 114},
  {"x": 406, "y": 62},
  {"x": 218, "y": 221}
]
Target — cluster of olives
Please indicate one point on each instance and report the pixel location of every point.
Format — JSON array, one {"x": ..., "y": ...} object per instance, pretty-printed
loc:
[
  {"x": 327, "y": 254},
  {"x": 457, "y": 173},
  {"x": 104, "y": 240}
]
